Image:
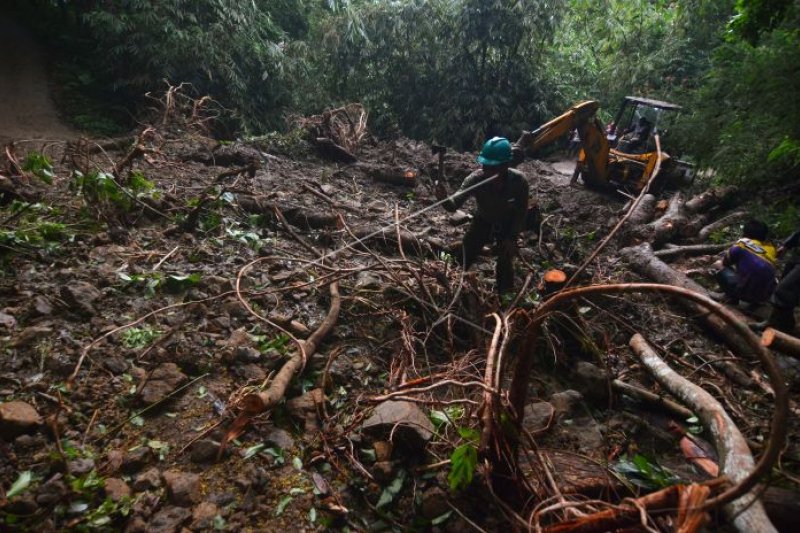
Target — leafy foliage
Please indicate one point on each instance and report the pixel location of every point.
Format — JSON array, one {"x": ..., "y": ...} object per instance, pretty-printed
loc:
[{"x": 464, "y": 460}]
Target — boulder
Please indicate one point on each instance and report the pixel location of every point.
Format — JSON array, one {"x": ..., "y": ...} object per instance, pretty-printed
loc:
[
  {"x": 163, "y": 381},
  {"x": 135, "y": 460},
  {"x": 537, "y": 416},
  {"x": 183, "y": 487},
  {"x": 80, "y": 297},
  {"x": 168, "y": 520},
  {"x": 592, "y": 382},
  {"x": 203, "y": 516},
  {"x": 17, "y": 418},
  {"x": 204, "y": 451},
  {"x": 116, "y": 489},
  {"x": 408, "y": 426},
  {"x": 565, "y": 402},
  {"x": 147, "y": 480},
  {"x": 280, "y": 438}
]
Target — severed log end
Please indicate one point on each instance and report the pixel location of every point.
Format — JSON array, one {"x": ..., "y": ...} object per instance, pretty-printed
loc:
[
  {"x": 781, "y": 342},
  {"x": 552, "y": 281},
  {"x": 404, "y": 178},
  {"x": 253, "y": 404}
]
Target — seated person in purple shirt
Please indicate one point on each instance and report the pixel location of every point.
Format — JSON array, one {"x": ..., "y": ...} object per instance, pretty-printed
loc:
[{"x": 748, "y": 271}]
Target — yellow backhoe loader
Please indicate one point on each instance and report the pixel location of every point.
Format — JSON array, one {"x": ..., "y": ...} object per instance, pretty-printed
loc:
[{"x": 629, "y": 166}]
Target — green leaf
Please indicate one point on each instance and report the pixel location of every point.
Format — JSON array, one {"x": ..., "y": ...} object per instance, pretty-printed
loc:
[
  {"x": 137, "y": 421},
  {"x": 253, "y": 450},
  {"x": 297, "y": 463},
  {"x": 282, "y": 505},
  {"x": 463, "y": 463},
  {"x": 21, "y": 484},
  {"x": 392, "y": 490}
]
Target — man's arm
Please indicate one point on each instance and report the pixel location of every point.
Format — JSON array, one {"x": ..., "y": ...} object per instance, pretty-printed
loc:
[{"x": 457, "y": 199}]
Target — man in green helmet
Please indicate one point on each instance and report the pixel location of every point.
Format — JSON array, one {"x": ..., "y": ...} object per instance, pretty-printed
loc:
[{"x": 502, "y": 206}]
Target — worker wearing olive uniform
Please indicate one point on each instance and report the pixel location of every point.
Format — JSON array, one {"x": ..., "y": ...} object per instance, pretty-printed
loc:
[{"x": 502, "y": 205}]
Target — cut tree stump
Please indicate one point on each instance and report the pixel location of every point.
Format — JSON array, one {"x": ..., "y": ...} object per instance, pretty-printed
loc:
[
  {"x": 781, "y": 342},
  {"x": 552, "y": 281},
  {"x": 330, "y": 150}
]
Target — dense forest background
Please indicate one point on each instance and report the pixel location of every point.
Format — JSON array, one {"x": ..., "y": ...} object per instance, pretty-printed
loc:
[{"x": 450, "y": 71}]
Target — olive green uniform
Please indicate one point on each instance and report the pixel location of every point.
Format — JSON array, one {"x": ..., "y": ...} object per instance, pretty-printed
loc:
[{"x": 499, "y": 218}]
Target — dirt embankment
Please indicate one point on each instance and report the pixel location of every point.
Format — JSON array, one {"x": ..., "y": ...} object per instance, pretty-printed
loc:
[{"x": 27, "y": 110}]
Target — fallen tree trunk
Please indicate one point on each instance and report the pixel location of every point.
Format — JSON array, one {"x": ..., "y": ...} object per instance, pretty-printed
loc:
[
  {"x": 671, "y": 252},
  {"x": 706, "y": 231},
  {"x": 643, "y": 213},
  {"x": 300, "y": 217},
  {"x": 643, "y": 261},
  {"x": 781, "y": 342},
  {"x": 735, "y": 459}
]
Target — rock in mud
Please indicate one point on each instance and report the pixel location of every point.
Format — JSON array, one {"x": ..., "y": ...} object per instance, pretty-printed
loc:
[
  {"x": 204, "y": 451},
  {"x": 409, "y": 427},
  {"x": 17, "y": 418},
  {"x": 434, "y": 503},
  {"x": 279, "y": 438},
  {"x": 147, "y": 480},
  {"x": 81, "y": 467},
  {"x": 168, "y": 520},
  {"x": 183, "y": 487},
  {"x": 163, "y": 381},
  {"x": 52, "y": 492},
  {"x": 80, "y": 297},
  {"x": 116, "y": 364},
  {"x": 537, "y": 416},
  {"x": 565, "y": 402},
  {"x": 136, "y": 459},
  {"x": 7, "y": 321},
  {"x": 116, "y": 489},
  {"x": 42, "y": 306},
  {"x": 592, "y": 382},
  {"x": 203, "y": 516}
]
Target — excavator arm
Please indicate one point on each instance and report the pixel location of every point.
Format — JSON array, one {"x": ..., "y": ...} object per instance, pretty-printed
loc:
[{"x": 592, "y": 135}]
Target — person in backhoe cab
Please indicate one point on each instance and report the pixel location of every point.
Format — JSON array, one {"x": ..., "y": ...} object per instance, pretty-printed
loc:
[
  {"x": 787, "y": 294},
  {"x": 502, "y": 206},
  {"x": 748, "y": 271}
]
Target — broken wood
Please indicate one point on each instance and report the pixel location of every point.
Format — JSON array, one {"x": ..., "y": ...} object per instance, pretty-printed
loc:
[
  {"x": 710, "y": 198},
  {"x": 736, "y": 461},
  {"x": 781, "y": 342}
]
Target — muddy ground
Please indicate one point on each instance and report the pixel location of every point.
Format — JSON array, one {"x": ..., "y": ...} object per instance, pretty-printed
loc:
[{"x": 142, "y": 282}]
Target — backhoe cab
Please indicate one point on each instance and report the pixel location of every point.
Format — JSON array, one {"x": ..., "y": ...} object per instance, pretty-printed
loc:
[{"x": 638, "y": 155}]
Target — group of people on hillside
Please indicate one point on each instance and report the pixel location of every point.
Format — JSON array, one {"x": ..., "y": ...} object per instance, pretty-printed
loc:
[{"x": 749, "y": 271}]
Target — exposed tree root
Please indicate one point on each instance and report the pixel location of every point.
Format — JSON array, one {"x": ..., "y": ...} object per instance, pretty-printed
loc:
[
  {"x": 518, "y": 391},
  {"x": 254, "y": 404},
  {"x": 736, "y": 461}
]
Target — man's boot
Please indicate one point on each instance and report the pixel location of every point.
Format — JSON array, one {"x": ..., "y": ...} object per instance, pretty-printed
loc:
[{"x": 782, "y": 319}]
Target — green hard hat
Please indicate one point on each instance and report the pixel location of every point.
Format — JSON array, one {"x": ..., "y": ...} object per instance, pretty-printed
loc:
[{"x": 496, "y": 151}]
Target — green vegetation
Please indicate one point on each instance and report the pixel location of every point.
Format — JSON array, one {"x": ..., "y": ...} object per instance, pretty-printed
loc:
[{"x": 454, "y": 71}]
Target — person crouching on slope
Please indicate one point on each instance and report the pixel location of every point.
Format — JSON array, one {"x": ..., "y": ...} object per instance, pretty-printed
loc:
[
  {"x": 748, "y": 271},
  {"x": 502, "y": 205}
]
